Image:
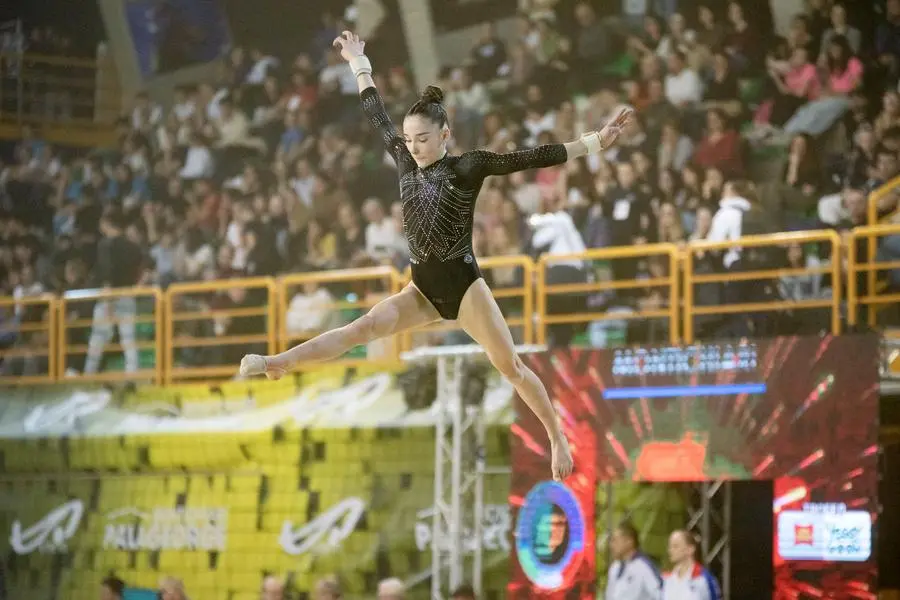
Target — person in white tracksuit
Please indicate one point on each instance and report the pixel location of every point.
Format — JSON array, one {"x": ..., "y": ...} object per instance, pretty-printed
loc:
[
  {"x": 688, "y": 580},
  {"x": 632, "y": 575}
]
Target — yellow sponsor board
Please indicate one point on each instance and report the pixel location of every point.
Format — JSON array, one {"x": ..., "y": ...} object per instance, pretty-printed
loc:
[{"x": 221, "y": 486}]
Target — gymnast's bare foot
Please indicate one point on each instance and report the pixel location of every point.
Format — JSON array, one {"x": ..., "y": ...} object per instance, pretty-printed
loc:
[
  {"x": 254, "y": 364},
  {"x": 561, "y": 458}
]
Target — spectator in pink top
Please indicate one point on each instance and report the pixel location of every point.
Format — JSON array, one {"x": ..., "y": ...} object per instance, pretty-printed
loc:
[
  {"x": 796, "y": 82},
  {"x": 844, "y": 70},
  {"x": 843, "y": 75}
]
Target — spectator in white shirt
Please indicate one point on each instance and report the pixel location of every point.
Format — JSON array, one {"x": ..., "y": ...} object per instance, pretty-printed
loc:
[
  {"x": 164, "y": 255},
  {"x": 145, "y": 115},
  {"x": 728, "y": 222},
  {"x": 382, "y": 239},
  {"x": 304, "y": 182},
  {"x": 469, "y": 102},
  {"x": 210, "y": 99},
  {"x": 198, "y": 161},
  {"x": 236, "y": 234},
  {"x": 338, "y": 75},
  {"x": 261, "y": 66},
  {"x": 679, "y": 38},
  {"x": 27, "y": 287},
  {"x": 467, "y": 95},
  {"x": 632, "y": 575},
  {"x": 311, "y": 311},
  {"x": 136, "y": 155},
  {"x": 536, "y": 123},
  {"x": 233, "y": 128},
  {"x": 184, "y": 105},
  {"x": 525, "y": 192},
  {"x": 193, "y": 256},
  {"x": 683, "y": 86},
  {"x": 232, "y": 125},
  {"x": 833, "y": 209},
  {"x": 555, "y": 233}
]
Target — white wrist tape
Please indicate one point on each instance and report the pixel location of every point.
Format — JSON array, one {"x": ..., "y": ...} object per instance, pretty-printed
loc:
[
  {"x": 360, "y": 65},
  {"x": 592, "y": 141}
]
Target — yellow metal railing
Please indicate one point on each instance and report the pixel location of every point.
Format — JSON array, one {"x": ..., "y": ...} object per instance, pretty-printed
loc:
[
  {"x": 210, "y": 325},
  {"x": 29, "y": 328},
  {"x": 363, "y": 288},
  {"x": 775, "y": 241},
  {"x": 877, "y": 195},
  {"x": 516, "y": 300},
  {"x": 199, "y": 331},
  {"x": 871, "y": 296},
  {"x": 665, "y": 282},
  {"x": 872, "y": 211},
  {"x": 126, "y": 312}
]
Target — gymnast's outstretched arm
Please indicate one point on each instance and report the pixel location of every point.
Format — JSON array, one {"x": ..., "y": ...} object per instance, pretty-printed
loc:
[{"x": 483, "y": 163}]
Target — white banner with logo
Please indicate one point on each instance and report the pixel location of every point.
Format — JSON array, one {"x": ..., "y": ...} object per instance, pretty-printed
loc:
[
  {"x": 325, "y": 532},
  {"x": 49, "y": 534},
  {"x": 373, "y": 401},
  {"x": 201, "y": 529},
  {"x": 495, "y": 530}
]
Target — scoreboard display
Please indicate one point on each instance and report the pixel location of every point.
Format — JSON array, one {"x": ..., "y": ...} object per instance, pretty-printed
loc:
[{"x": 707, "y": 359}]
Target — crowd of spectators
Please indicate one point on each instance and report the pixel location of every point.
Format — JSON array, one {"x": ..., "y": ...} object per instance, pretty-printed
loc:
[{"x": 272, "y": 169}]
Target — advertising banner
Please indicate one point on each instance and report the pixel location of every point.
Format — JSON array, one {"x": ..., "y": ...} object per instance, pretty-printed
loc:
[
  {"x": 334, "y": 476},
  {"x": 801, "y": 411}
]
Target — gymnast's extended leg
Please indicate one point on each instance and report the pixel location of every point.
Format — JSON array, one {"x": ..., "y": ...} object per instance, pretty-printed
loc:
[
  {"x": 404, "y": 310},
  {"x": 481, "y": 318}
]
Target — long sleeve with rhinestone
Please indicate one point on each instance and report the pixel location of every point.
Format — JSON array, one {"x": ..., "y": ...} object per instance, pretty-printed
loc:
[
  {"x": 489, "y": 163},
  {"x": 373, "y": 107}
]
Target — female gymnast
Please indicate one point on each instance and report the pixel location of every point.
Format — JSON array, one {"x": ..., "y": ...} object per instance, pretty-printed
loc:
[{"x": 438, "y": 192}]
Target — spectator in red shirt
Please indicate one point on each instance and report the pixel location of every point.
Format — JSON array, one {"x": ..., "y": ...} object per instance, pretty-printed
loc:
[{"x": 720, "y": 148}]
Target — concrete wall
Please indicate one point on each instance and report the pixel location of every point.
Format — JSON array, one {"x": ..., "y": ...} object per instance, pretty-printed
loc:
[{"x": 130, "y": 78}]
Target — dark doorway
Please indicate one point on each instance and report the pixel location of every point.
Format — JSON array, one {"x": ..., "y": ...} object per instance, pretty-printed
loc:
[{"x": 752, "y": 527}]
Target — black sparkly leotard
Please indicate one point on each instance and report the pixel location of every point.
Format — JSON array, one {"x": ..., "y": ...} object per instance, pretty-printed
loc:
[{"x": 439, "y": 205}]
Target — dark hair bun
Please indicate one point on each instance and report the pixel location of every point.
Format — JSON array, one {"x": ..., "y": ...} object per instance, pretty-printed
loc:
[{"x": 433, "y": 95}]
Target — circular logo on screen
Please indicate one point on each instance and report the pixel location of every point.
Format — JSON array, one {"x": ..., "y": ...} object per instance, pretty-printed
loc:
[{"x": 550, "y": 535}]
